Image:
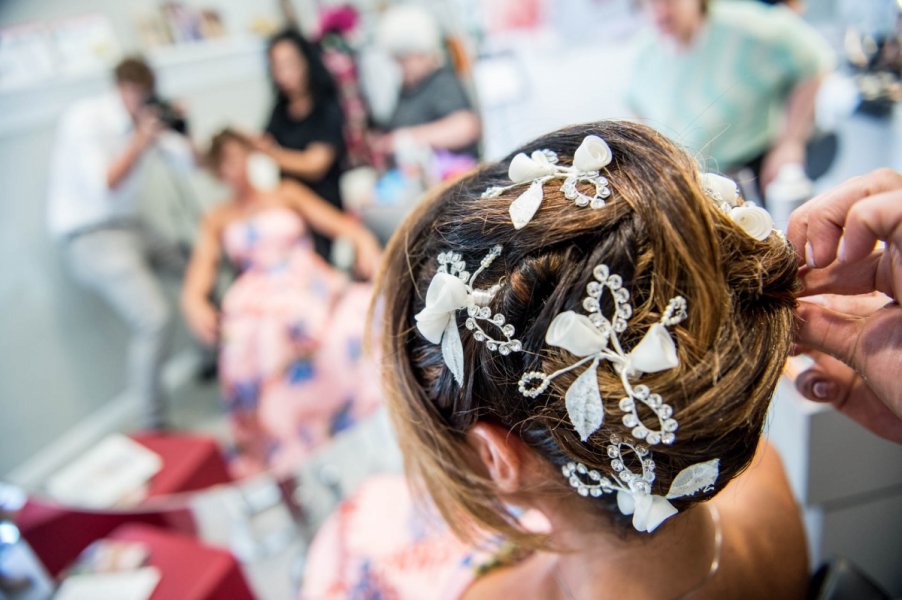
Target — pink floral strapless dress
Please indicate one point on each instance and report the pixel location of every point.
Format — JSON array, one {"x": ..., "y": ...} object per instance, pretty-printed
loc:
[
  {"x": 292, "y": 367},
  {"x": 384, "y": 544}
]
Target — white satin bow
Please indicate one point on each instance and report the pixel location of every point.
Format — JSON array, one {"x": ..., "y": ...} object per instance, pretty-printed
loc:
[
  {"x": 577, "y": 334},
  {"x": 648, "y": 510},
  {"x": 446, "y": 295}
]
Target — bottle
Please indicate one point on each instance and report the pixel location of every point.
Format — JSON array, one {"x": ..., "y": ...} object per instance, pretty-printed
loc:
[{"x": 788, "y": 191}]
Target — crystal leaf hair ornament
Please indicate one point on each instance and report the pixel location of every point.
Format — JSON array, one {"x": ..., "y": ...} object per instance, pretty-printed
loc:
[
  {"x": 542, "y": 166},
  {"x": 752, "y": 219},
  {"x": 451, "y": 290},
  {"x": 595, "y": 338},
  {"x": 633, "y": 489}
]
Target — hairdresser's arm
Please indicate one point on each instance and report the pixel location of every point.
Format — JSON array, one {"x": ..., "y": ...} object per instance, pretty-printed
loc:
[
  {"x": 452, "y": 132},
  {"x": 310, "y": 164},
  {"x": 200, "y": 313},
  {"x": 331, "y": 222},
  {"x": 798, "y": 120}
]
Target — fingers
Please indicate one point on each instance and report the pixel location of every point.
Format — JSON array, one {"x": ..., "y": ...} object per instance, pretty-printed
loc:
[
  {"x": 861, "y": 277},
  {"x": 829, "y": 380},
  {"x": 818, "y": 225},
  {"x": 827, "y": 330},
  {"x": 875, "y": 218},
  {"x": 861, "y": 305}
]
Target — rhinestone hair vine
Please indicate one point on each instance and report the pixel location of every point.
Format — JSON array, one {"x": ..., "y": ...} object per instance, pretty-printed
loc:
[
  {"x": 542, "y": 166},
  {"x": 451, "y": 290},
  {"x": 595, "y": 338},
  {"x": 634, "y": 495}
]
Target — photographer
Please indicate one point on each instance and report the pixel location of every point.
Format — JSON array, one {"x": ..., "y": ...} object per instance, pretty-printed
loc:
[{"x": 100, "y": 152}]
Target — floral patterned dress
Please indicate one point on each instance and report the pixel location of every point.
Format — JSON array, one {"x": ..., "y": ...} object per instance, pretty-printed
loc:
[
  {"x": 381, "y": 544},
  {"x": 291, "y": 365}
]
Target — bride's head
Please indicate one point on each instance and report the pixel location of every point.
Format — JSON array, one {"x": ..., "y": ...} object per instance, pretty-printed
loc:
[
  {"x": 676, "y": 305},
  {"x": 227, "y": 159}
]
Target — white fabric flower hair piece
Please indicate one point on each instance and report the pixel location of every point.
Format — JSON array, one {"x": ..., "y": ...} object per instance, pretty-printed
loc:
[
  {"x": 752, "y": 219},
  {"x": 537, "y": 169},
  {"x": 595, "y": 338},
  {"x": 451, "y": 290},
  {"x": 634, "y": 495}
]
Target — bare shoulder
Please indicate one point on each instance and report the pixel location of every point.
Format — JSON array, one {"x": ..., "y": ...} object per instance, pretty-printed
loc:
[
  {"x": 525, "y": 579},
  {"x": 220, "y": 215},
  {"x": 764, "y": 548}
]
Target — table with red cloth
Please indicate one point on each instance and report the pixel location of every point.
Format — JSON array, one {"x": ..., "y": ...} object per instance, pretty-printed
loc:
[
  {"x": 190, "y": 463},
  {"x": 189, "y": 570},
  {"x": 58, "y": 533}
]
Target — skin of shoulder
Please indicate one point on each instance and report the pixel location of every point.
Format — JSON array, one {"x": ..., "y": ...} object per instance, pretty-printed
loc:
[{"x": 764, "y": 540}]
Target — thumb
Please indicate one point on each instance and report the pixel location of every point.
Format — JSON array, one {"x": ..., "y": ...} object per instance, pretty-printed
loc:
[{"x": 829, "y": 331}]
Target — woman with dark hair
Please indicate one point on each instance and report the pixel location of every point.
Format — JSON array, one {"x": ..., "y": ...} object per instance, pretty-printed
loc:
[{"x": 304, "y": 134}]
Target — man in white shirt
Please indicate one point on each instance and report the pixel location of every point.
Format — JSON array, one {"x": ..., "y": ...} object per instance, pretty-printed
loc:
[{"x": 101, "y": 149}]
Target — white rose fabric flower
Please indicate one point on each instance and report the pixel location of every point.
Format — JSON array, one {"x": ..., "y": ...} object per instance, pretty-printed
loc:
[
  {"x": 593, "y": 154},
  {"x": 656, "y": 352},
  {"x": 525, "y": 168},
  {"x": 262, "y": 172},
  {"x": 754, "y": 220},
  {"x": 722, "y": 188},
  {"x": 576, "y": 334}
]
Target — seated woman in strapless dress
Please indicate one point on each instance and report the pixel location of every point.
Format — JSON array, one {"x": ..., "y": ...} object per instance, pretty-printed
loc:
[
  {"x": 290, "y": 333},
  {"x": 583, "y": 341}
]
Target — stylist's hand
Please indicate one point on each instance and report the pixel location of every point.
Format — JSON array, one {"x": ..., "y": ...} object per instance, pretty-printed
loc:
[
  {"x": 869, "y": 400},
  {"x": 835, "y": 235},
  {"x": 264, "y": 143}
]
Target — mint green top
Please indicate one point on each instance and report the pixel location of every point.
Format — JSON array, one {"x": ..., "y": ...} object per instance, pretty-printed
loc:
[{"x": 724, "y": 96}]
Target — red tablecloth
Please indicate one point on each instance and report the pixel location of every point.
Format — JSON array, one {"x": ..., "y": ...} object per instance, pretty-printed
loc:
[
  {"x": 58, "y": 533},
  {"x": 189, "y": 463},
  {"x": 189, "y": 570}
]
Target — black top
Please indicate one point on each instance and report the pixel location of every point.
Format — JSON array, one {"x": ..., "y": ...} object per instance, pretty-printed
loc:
[
  {"x": 433, "y": 98},
  {"x": 324, "y": 124}
]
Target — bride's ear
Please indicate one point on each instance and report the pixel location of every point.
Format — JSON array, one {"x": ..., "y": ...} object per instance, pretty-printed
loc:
[{"x": 500, "y": 452}]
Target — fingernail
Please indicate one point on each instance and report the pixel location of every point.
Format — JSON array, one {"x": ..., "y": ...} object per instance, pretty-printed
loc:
[
  {"x": 809, "y": 256},
  {"x": 841, "y": 253},
  {"x": 822, "y": 390}
]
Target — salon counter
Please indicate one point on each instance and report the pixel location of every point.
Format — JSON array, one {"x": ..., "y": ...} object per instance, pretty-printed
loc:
[{"x": 847, "y": 481}]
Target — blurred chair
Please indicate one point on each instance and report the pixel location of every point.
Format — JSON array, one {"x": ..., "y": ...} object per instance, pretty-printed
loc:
[{"x": 839, "y": 579}]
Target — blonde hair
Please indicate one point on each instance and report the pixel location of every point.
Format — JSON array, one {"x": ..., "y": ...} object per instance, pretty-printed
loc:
[{"x": 665, "y": 237}]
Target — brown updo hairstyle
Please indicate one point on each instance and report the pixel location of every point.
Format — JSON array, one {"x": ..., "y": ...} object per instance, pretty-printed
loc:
[
  {"x": 665, "y": 237},
  {"x": 214, "y": 154}
]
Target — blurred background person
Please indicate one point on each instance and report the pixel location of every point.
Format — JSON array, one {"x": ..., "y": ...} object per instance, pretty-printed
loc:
[
  {"x": 100, "y": 152},
  {"x": 305, "y": 131},
  {"x": 290, "y": 334},
  {"x": 733, "y": 81},
  {"x": 432, "y": 109}
]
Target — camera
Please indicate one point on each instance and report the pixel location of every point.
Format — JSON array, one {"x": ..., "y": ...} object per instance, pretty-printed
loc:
[{"x": 168, "y": 115}]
